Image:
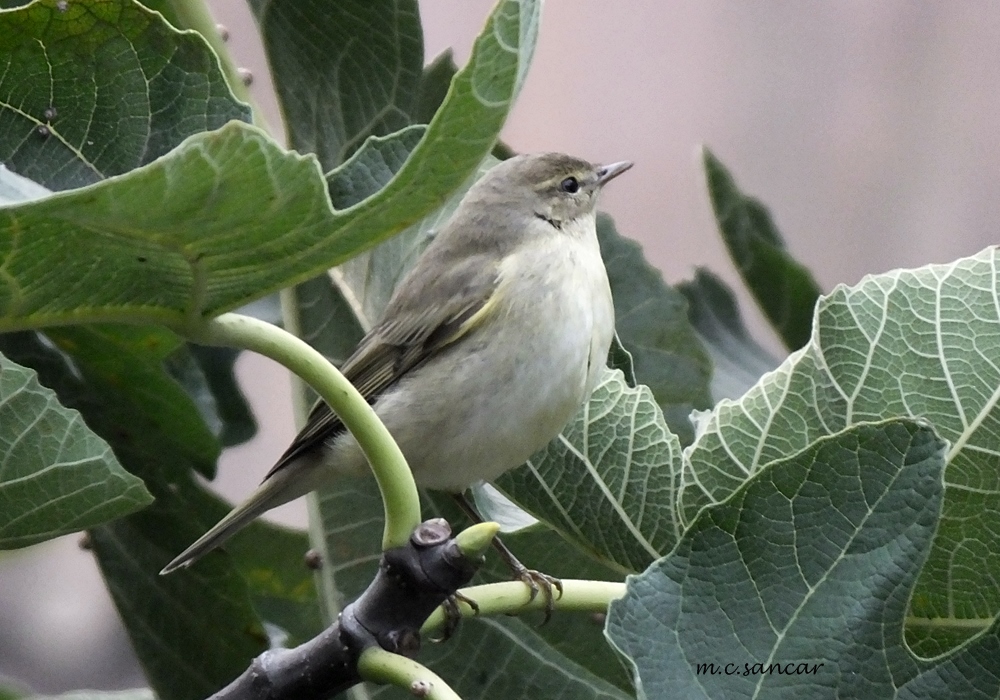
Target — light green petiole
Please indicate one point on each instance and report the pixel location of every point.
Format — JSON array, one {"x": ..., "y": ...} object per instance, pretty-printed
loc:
[
  {"x": 380, "y": 666},
  {"x": 513, "y": 597},
  {"x": 399, "y": 492}
]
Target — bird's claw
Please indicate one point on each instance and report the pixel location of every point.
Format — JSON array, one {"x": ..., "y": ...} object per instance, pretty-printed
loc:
[
  {"x": 537, "y": 581},
  {"x": 453, "y": 614}
]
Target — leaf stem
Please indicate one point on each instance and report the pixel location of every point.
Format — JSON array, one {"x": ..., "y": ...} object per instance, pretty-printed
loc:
[
  {"x": 513, "y": 597},
  {"x": 380, "y": 666},
  {"x": 399, "y": 492}
]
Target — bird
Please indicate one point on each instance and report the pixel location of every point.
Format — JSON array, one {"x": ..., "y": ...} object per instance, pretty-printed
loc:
[{"x": 487, "y": 349}]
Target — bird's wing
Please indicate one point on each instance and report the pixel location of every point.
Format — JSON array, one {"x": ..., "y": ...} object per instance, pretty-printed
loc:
[{"x": 454, "y": 303}]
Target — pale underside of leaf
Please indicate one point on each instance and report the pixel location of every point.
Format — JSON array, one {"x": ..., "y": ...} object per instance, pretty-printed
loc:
[{"x": 910, "y": 343}]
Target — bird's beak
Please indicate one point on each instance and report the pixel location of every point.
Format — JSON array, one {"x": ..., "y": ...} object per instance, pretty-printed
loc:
[{"x": 609, "y": 172}]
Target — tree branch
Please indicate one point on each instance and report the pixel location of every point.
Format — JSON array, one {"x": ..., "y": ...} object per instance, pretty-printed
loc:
[{"x": 412, "y": 581}]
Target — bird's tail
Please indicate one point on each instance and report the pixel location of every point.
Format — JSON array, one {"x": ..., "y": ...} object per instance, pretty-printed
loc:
[
  {"x": 223, "y": 530},
  {"x": 276, "y": 490}
]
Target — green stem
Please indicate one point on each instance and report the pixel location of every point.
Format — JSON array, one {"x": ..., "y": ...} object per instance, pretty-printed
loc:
[
  {"x": 399, "y": 492},
  {"x": 380, "y": 666},
  {"x": 513, "y": 597}
]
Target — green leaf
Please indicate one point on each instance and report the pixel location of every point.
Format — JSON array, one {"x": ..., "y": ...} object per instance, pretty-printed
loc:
[
  {"x": 908, "y": 343},
  {"x": 350, "y": 515},
  {"x": 372, "y": 166},
  {"x": 325, "y": 319},
  {"x": 183, "y": 234},
  {"x": 343, "y": 70},
  {"x": 609, "y": 482},
  {"x": 651, "y": 320},
  {"x": 811, "y": 564},
  {"x": 272, "y": 560},
  {"x": 56, "y": 475},
  {"x": 208, "y": 376},
  {"x": 329, "y": 312},
  {"x": 127, "y": 362},
  {"x": 194, "y": 630},
  {"x": 621, "y": 359},
  {"x": 11, "y": 690},
  {"x": 201, "y": 621},
  {"x": 737, "y": 360},
  {"x": 95, "y": 89},
  {"x": 229, "y": 216},
  {"x": 434, "y": 84},
  {"x": 784, "y": 288}
]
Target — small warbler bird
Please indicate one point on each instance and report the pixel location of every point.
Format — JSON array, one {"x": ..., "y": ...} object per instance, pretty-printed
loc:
[{"x": 487, "y": 349}]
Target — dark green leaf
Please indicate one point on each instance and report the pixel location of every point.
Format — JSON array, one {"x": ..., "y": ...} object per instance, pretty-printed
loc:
[
  {"x": 434, "y": 84},
  {"x": 811, "y": 564},
  {"x": 195, "y": 630},
  {"x": 11, "y": 690},
  {"x": 123, "y": 367},
  {"x": 208, "y": 376},
  {"x": 328, "y": 310},
  {"x": 272, "y": 560},
  {"x": 621, "y": 359},
  {"x": 737, "y": 360},
  {"x": 56, "y": 476},
  {"x": 344, "y": 70},
  {"x": 371, "y": 167},
  {"x": 208, "y": 618},
  {"x": 326, "y": 321},
  {"x": 651, "y": 319},
  {"x": 784, "y": 288},
  {"x": 171, "y": 11},
  {"x": 95, "y": 89}
]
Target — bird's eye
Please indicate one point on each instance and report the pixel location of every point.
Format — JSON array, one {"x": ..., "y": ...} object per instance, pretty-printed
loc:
[{"x": 570, "y": 184}]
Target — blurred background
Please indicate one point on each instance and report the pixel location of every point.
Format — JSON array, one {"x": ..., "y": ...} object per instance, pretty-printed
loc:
[{"x": 870, "y": 129}]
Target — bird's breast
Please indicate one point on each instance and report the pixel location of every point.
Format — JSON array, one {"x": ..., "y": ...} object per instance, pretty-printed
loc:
[{"x": 506, "y": 389}]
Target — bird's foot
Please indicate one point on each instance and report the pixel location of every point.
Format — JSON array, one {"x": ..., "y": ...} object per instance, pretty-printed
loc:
[
  {"x": 537, "y": 581},
  {"x": 453, "y": 614}
]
